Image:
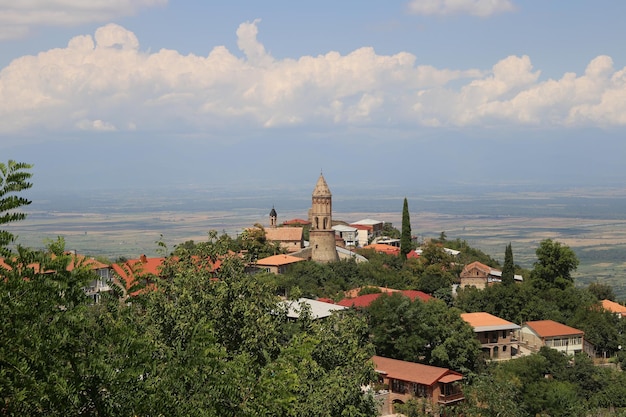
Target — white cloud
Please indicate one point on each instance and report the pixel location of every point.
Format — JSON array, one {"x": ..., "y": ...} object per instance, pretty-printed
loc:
[
  {"x": 106, "y": 82},
  {"x": 481, "y": 8},
  {"x": 18, "y": 17}
]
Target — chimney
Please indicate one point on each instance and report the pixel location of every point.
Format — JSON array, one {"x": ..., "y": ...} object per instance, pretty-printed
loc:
[{"x": 143, "y": 259}]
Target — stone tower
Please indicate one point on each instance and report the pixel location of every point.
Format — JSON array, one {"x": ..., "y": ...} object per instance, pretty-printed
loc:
[
  {"x": 321, "y": 234},
  {"x": 273, "y": 218}
]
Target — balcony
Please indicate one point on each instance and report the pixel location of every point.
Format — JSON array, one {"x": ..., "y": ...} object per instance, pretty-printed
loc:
[{"x": 450, "y": 398}]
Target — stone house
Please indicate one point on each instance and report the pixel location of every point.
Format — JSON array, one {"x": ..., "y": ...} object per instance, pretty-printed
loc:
[
  {"x": 400, "y": 381},
  {"x": 497, "y": 336}
]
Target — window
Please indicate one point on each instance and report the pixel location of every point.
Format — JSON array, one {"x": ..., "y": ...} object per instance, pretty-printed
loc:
[{"x": 398, "y": 386}]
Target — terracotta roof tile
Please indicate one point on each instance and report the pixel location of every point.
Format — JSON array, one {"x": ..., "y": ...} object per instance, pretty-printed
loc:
[
  {"x": 482, "y": 321},
  {"x": 364, "y": 301},
  {"x": 414, "y": 372},
  {"x": 549, "y": 328},
  {"x": 278, "y": 260},
  {"x": 614, "y": 307}
]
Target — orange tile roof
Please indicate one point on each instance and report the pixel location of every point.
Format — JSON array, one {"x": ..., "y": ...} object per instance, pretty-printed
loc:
[
  {"x": 412, "y": 254},
  {"x": 278, "y": 260},
  {"x": 414, "y": 372},
  {"x": 76, "y": 260},
  {"x": 482, "y": 321},
  {"x": 614, "y": 307},
  {"x": 382, "y": 248},
  {"x": 549, "y": 328},
  {"x": 132, "y": 269}
]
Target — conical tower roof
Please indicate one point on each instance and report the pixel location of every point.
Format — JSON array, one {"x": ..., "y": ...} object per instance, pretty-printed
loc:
[
  {"x": 273, "y": 212},
  {"x": 321, "y": 188}
]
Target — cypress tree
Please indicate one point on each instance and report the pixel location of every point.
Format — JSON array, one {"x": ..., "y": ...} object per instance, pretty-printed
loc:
[
  {"x": 508, "y": 270},
  {"x": 405, "y": 236}
]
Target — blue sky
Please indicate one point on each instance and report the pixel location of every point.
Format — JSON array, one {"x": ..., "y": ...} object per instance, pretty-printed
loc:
[{"x": 412, "y": 93}]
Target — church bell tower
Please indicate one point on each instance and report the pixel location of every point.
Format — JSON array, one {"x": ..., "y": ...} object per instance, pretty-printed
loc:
[{"x": 321, "y": 234}]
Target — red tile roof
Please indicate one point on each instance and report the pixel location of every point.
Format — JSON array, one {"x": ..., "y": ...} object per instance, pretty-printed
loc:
[
  {"x": 549, "y": 328},
  {"x": 382, "y": 248},
  {"x": 412, "y": 255},
  {"x": 364, "y": 301},
  {"x": 131, "y": 270},
  {"x": 414, "y": 372}
]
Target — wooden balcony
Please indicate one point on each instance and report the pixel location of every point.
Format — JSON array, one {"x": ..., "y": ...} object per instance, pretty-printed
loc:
[{"x": 450, "y": 398}]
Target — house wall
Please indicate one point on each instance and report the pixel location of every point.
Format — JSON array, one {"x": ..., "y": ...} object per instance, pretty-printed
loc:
[
  {"x": 566, "y": 344},
  {"x": 403, "y": 391},
  {"x": 497, "y": 344},
  {"x": 473, "y": 281}
]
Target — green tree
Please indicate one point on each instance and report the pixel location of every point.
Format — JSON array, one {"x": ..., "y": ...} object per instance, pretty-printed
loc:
[
  {"x": 508, "y": 270},
  {"x": 14, "y": 178},
  {"x": 405, "y": 238},
  {"x": 601, "y": 291},
  {"x": 554, "y": 266}
]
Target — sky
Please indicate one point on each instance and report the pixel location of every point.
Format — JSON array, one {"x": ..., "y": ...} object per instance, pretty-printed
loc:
[{"x": 143, "y": 94}]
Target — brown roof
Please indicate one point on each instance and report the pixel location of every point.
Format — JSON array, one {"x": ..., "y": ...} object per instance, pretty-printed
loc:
[
  {"x": 549, "y": 328},
  {"x": 296, "y": 222},
  {"x": 282, "y": 234},
  {"x": 478, "y": 265},
  {"x": 321, "y": 188},
  {"x": 278, "y": 260},
  {"x": 414, "y": 372}
]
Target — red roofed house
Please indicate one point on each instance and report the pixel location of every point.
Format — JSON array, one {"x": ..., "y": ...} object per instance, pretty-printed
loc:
[
  {"x": 277, "y": 264},
  {"x": 95, "y": 287},
  {"x": 616, "y": 308},
  {"x": 134, "y": 272},
  {"x": 408, "y": 380},
  {"x": 495, "y": 335},
  {"x": 555, "y": 335},
  {"x": 364, "y": 301},
  {"x": 384, "y": 248}
]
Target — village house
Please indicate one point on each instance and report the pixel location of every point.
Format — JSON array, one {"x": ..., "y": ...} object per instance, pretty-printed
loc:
[
  {"x": 96, "y": 287},
  {"x": 277, "y": 264},
  {"x": 399, "y": 381},
  {"x": 481, "y": 276},
  {"x": 289, "y": 238},
  {"x": 497, "y": 336},
  {"x": 349, "y": 234},
  {"x": 566, "y": 339},
  {"x": 368, "y": 230}
]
